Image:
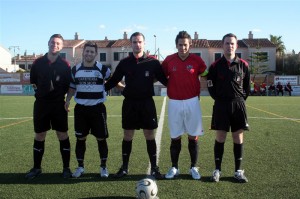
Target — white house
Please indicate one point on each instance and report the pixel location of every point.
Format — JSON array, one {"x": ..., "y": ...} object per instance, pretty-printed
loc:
[{"x": 5, "y": 61}]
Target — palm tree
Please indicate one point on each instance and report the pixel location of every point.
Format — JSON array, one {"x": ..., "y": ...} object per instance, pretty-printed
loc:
[{"x": 280, "y": 47}]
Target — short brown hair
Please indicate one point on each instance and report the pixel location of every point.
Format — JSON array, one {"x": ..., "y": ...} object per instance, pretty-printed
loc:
[
  {"x": 56, "y": 36},
  {"x": 91, "y": 44},
  {"x": 228, "y": 35},
  {"x": 137, "y": 34},
  {"x": 183, "y": 35}
]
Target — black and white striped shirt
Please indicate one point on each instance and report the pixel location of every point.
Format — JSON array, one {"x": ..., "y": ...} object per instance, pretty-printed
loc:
[{"x": 89, "y": 83}]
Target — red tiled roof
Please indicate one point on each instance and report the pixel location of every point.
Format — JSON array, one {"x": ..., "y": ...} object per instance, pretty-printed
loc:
[
  {"x": 215, "y": 43},
  {"x": 122, "y": 43},
  {"x": 72, "y": 43},
  {"x": 200, "y": 43},
  {"x": 27, "y": 57},
  {"x": 253, "y": 43},
  {"x": 218, "y": 44},
  {"x": 100, "y": 43}
]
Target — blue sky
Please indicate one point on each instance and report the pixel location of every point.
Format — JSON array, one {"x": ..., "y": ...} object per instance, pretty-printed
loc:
[{"x": 29, "y": 23}]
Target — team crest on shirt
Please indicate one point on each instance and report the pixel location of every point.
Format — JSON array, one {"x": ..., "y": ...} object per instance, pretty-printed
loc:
[
  {"x": 174, "y": 68},
  {"x": 190, "y": 68},
  {"x": 146, "y": 73},
  {"x": 97, "y": 73}
]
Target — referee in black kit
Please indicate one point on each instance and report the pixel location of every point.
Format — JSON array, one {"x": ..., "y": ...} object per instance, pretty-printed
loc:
[
  {"x": 50, "y": 77},
  {"x": 138, "y": 110},
  {"x": 228, "y": 83}
]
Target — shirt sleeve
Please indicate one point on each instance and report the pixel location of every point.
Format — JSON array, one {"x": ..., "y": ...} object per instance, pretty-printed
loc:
[
  {"x": 246, "y": 83},
  {"x": 115, "y": 78},
  {"x": 160, "y": 75},
  {"x": 211, "y": 81}
]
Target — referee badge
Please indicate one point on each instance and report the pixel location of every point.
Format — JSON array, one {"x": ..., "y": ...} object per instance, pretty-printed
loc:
[
  {"x": 146, "y": 73},
  {"x": 209, "y": 83}
]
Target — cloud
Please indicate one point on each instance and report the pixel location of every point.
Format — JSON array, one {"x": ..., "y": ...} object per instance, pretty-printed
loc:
[
  {"x": 128, "y": 29},
  {"x": 134, "y": 27},
  {"x": 170, "y": 29},
  {"x": 256, "y": 30},
  {"x": 101, "y": 26},
  {"x": 140, "y": 27}
]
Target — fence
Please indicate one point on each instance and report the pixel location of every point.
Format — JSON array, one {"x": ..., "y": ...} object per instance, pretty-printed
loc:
[{"x": 19, "y": 84}]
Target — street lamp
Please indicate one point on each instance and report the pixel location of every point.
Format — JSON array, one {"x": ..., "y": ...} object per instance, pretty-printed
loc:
[
  {"x": 283, "y": 55},
  {"x": 25, "y": 56},
  {"x": 14, "y": 47},
  {"x": 154, "y": 45}
]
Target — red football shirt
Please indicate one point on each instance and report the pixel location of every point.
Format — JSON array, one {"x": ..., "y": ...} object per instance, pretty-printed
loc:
[{"x": 183, "y": 76}]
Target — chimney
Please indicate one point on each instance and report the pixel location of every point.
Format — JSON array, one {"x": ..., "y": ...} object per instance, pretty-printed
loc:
[
  {"x": 250, "y": 35},
  {"x": 105, "y": 38},
  {"x": 125, "y": 35},
  {"x": 76, "y": 36},
  {"x": 196, "y": 35}
]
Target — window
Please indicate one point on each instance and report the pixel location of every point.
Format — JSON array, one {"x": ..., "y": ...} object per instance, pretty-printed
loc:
[
  {"x": 116, "y": 56},
  {"x": 120, "y": 55},
  {"x": 102, "y": 57},
  {"x": 63, "y": 55},
  {"x": 218, "y": 56}
]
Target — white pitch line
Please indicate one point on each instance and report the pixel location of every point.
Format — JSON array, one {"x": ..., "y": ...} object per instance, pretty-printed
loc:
[
  {"x": 159, "y": 133},
  {"x": 204, "y": 116}
]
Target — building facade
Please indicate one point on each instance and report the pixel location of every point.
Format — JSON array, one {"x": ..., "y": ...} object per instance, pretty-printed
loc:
[{"x": 110, "y": 52}]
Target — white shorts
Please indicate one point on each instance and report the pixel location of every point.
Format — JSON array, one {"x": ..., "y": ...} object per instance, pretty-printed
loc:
[{"x": 185, "y": 116}]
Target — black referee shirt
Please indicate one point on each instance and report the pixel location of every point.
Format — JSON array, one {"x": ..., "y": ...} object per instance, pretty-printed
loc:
[
  {"x": 52, "y": 80},
  {"x": 227, "y": 81},
  {"x": 140, "y": 75}
]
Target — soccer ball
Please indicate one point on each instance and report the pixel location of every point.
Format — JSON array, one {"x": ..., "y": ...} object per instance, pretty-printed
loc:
[{"x": 146, "y": 189}]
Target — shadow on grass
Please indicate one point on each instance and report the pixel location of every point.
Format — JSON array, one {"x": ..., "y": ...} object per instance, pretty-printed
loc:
[
  {"x": 206, "y": 179},
  {"x": 55, "y": 178},
  {"x": 111, "y": 197}
]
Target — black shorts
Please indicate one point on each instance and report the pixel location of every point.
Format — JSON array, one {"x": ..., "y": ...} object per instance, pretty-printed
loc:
[
  {"x": 139, "y": 114},
  {"x": 49, "y": 115},
  {"x": 90, "y": 118},
  {"x": 229, "y": 115}
]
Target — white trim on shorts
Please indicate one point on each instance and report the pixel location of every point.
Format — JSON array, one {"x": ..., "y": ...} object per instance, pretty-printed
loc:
[{"x": 185, "y": 116}]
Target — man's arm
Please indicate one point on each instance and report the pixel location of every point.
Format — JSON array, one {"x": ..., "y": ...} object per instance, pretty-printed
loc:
[
  {"x": 211, "y": 82},
  {"x": 115, "y": 78},
  {"x": 70, "y": 94}
]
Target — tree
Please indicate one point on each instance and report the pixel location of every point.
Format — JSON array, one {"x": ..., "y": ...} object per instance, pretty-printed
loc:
[
  {"x": 292, "y": 64},
  {"x": 280, "y": 47},
  {"x": 258, "y": 61}
]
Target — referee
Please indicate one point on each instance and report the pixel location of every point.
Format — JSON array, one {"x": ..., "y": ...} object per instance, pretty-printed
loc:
[
  {"x": 228, "y": 83},
  {"x": 50, "y": 77},
  {"x": 138, "y": 110}
]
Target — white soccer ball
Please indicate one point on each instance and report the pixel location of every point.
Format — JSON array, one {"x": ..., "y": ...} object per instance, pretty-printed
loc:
[{"x": 146, "y": 189}]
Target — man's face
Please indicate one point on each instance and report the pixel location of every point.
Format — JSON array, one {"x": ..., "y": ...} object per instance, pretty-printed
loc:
[
  {"x": 55, "y": 45},
  {"x": 89, "y": 54},
  {"x": 229, "y": 46},
  {"x": 183, "y": 46},
  {"x": 137, "y": 44}
]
